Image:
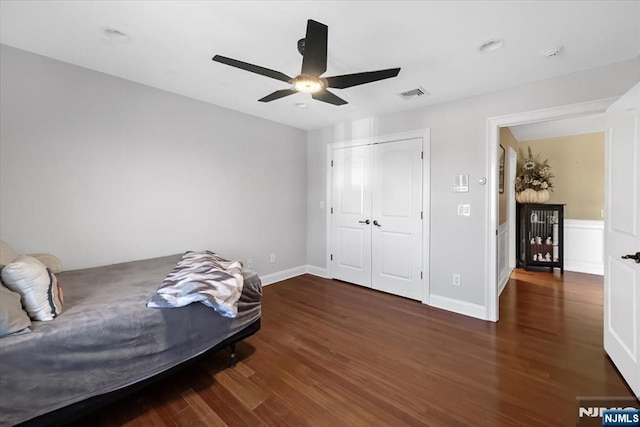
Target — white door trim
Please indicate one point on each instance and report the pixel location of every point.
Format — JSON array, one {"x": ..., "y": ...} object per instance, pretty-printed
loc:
[
  {"x": 425, "y": 135},
  {"x": 493, "y": 137},
  {"x": 511, "y": 206}
]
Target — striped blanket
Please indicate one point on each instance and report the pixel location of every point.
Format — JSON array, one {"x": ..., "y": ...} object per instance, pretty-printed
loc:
[{"x": 204, "y": 277}]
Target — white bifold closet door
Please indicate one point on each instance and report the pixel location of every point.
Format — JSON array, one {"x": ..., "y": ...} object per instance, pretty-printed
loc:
[{"x": 377, "y": 216}]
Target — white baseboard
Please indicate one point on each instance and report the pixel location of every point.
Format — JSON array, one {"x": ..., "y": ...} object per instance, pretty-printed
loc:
[
  {"x": 279, "y": 276},
  {"x": 584, "y": 267},
  {"x": 318, "y": 271},
  {"x": 460, "y": 307}
]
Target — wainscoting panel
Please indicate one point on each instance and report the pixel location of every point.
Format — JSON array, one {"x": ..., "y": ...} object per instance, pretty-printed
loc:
[
  {"x": 503, "y": 256},
  {"x": 584, "y": 245}
]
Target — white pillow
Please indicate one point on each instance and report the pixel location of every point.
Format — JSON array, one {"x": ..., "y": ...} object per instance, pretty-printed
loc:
[
  {"x": 6, "y": 253},
  {"x": 38, "y": 287}
]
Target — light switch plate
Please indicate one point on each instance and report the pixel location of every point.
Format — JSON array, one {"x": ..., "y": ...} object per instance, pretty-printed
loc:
[{"x": 464, "y": 210}]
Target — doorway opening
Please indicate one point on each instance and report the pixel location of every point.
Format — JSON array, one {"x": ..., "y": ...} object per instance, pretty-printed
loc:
[{"x": 493, "y": 155}]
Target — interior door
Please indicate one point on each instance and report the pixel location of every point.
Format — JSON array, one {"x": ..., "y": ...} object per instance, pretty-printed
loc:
[
  {"x": 351, "y": 220},
  {"x": 622, "y": 237},
  {"x": 397, "y": 218}
]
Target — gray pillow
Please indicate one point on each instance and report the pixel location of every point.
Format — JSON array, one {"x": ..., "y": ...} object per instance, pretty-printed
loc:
[{"x": 13, "y": 318}]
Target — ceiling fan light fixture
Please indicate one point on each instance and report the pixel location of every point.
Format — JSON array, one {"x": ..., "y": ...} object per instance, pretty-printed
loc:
[
  {"x": 314, "y": 64},
  {"x": 308, "y": 84}
]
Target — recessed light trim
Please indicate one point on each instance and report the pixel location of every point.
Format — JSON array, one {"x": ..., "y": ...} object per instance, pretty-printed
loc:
[
  {"x": 115, "y": 34},
  {"x": 491, "y": 45}
]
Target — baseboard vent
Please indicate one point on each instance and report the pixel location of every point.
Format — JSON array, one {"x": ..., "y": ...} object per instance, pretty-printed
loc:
[{"x": 414, "y": 93}]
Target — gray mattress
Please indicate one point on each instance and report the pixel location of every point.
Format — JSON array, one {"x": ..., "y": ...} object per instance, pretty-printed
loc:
[{"x": 107, "y": 339}]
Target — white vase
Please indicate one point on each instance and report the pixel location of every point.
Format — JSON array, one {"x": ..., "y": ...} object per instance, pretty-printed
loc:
[{"x": 530, "y": 195}]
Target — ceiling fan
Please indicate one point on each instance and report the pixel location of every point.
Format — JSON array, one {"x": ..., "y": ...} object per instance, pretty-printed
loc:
[{"x": 313, "y": 49}]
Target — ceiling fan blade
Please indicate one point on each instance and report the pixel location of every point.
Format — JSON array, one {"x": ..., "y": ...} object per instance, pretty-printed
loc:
[
  {"x": 277, "y": 95},
  {"x": 327, "y": 96},
  {"x": 314, "y": 61},
  {"x": 253, "y": 68},
  {"x": 349, "y": 80}
]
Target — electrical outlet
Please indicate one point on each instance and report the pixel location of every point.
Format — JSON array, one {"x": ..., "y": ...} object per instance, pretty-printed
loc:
[
  {"x": 272, "y": 258},
  {"x": 457, "y": 279},
  {"x": 250, "y": 263}
]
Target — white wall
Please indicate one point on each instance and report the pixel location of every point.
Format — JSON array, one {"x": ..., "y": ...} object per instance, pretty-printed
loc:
[
  {"x": 458, "y": 145},
  {"x": 316, "y": 195},
  {"x": 98, "y": 170}
]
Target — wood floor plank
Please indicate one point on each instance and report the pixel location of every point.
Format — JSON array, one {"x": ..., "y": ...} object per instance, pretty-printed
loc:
[
  {"x": 244, "y": 370},
  {"x": 204, "y": 411},
  {"x": 230, "y": 410},
  {"x": 242, "y": 388},
  {"x": 274, "y": 412},
  {"x": 334, "y": 354}
]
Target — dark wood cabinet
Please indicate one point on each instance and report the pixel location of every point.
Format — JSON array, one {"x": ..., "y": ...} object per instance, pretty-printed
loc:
[{"x": 540, "y": 236}]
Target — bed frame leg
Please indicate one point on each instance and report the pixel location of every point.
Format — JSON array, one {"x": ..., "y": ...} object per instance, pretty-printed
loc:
[{"x": 232, "y": 360}]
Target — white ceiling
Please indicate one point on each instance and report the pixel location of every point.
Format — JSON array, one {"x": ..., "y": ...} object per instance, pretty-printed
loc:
[
  {"x": 557, "y": 128},
  {"x": 435, "y": 43}
]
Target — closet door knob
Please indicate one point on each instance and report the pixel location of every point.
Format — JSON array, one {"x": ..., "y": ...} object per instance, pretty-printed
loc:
[
  {"x": 376, "y": 223},
  {"x": 364, "y": 222}
]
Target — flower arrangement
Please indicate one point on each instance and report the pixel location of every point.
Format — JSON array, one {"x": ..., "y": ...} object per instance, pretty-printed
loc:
[{"x": 535, "y": 175}]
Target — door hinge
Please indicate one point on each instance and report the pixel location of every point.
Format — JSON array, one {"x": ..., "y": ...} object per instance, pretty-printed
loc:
[
  {"x": 421, "y": 217},
  {"x": 421, "y": 275},
  {"x": 331, "y": 163},
  {"x": 331, "y": 257},
  {"x": 422, "y": 154},
  {"x": 331, "y": 210}
]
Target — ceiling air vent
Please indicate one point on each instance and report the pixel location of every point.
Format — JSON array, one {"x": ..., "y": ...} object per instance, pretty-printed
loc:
[{"x": 414, "y": 93}]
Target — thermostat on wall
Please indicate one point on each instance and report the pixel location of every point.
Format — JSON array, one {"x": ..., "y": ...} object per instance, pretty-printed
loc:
[{"x": 461, "y": 184}]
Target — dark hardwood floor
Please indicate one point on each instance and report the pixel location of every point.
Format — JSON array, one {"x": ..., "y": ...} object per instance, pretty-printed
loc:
[{"x": 334, "y": 354}]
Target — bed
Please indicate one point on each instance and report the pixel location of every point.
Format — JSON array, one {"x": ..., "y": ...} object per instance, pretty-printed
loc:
[{"x": 107, "y": 342}]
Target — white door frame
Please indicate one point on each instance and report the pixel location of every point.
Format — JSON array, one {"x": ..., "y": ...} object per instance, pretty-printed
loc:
[
  {"x": 510, "y": 193},
  {"x": 493, "y": 141},
  {"x": 425, "y": 134},
  {"x": 512, "y": 155}
]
